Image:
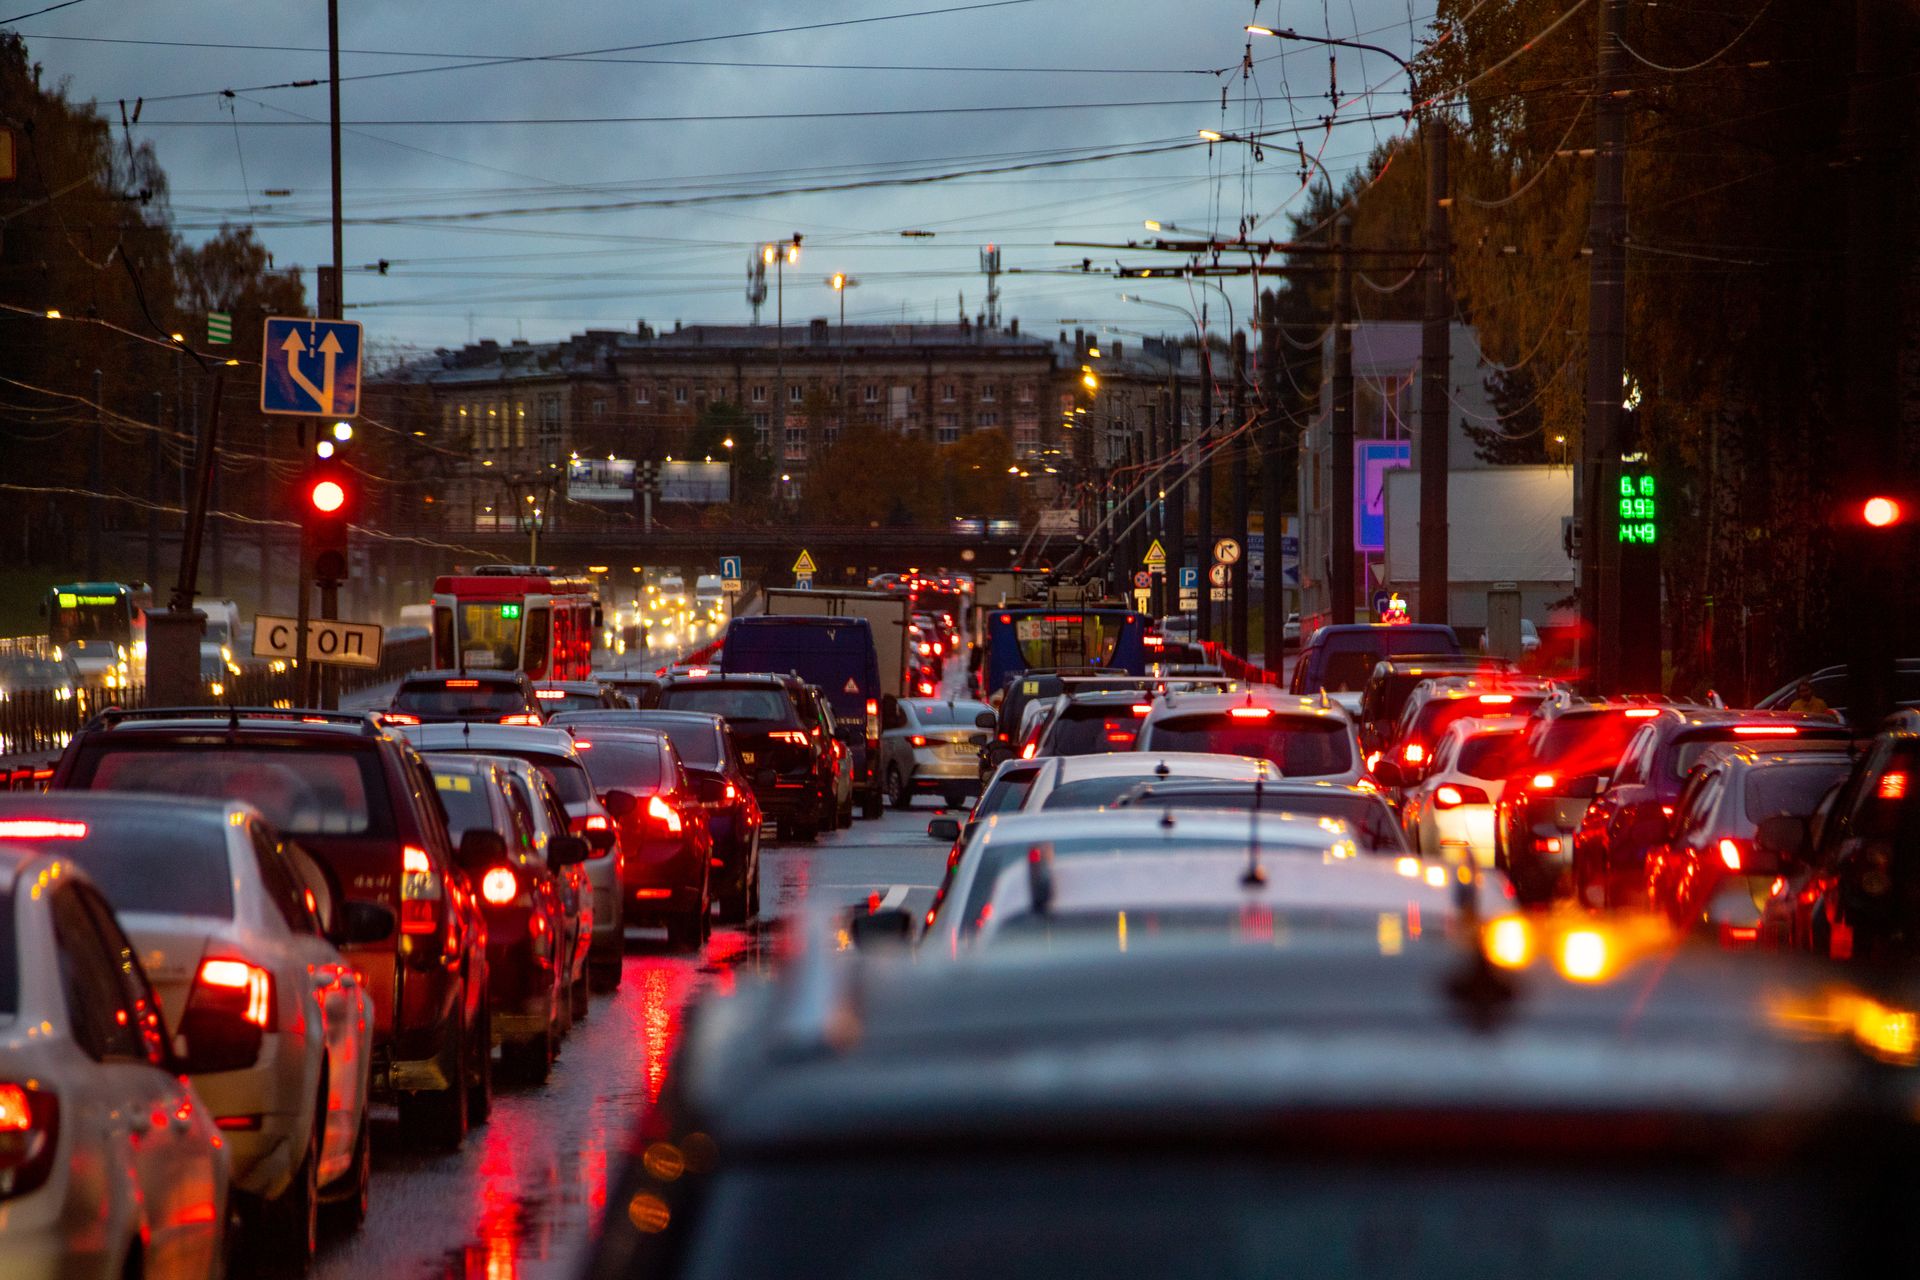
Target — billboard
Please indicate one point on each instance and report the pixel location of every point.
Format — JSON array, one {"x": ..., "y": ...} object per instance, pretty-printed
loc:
[
  {"x": 694, "y": 482},
  {"x": 600, "y": 479}
]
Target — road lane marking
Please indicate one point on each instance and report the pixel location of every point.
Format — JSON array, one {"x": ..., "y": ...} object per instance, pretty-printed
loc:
[{"x": 895, "y": 896}]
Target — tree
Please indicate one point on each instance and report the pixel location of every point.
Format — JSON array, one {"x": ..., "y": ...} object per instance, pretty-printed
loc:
[
  {"x": 980, "y": 475},
  {"x": 872, "y": 476}
]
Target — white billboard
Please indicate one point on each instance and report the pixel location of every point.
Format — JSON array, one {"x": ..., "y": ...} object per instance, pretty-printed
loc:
[
  {"x": 600, "y": 479},
  {"x": 694, "y": 482}
]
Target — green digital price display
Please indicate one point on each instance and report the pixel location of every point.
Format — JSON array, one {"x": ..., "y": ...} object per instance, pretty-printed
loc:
[
  {"x": 1639, "y": 509},
  {"x": 510, "y": 611}
]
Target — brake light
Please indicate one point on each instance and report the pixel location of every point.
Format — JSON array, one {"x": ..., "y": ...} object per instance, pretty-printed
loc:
[
  {"x": 597, "y": 822},
  {"x": 1153, "y": 642},
  {"x": 420, "y": 888},
  {"x": 873, "y": 719},
  {"x": 524, "y": 717},
  {"x": 463, "y": 684},
  {"x": 1120, "y": 737},
  {"x": 1730, "y": 854},
  {"x": 1642, "y": 713},
  {"x": 665, "y": 814},
  {"x": 789, "y": 735},
  {"x": 42, "y": 829},
  {"x": 698, "y": 673},
  {"x": 247, "y": 988},
  {"x": 1250, "y": 713},
  {"x": 1543, "y": 781},
  {"x": 29, "y": 1136},
  {"x": 1448, "y": 798},
  {"x": 500, "y": 886},
  {"x": 733, "y": 792},
  {"x": 583, "y": 744},
  {"x": 926, "y": 688},
  {"x": 936, "y": 648},
  {"x": 550, "y": 695},
  {"x": 1142, "y": 708},
  {"x": 1026, "y": 752},
  {"x": 399, "y": 717},
  {"x": 1893, "y": 786},
  {"x": 917, "y": 740},
  {"x": 1765, "y": 730},
  {"x": 1413, "y": 753},
  {"x": 1496, "y": 699}
]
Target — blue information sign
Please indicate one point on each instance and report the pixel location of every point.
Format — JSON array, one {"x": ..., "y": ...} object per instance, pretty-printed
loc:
[{"x": 310, "y": 367}]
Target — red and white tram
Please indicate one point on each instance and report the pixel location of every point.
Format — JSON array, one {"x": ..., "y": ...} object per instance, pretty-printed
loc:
[{"x": 516, "y": 617}]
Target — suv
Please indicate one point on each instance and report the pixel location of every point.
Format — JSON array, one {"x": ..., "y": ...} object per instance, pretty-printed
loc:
[
  {"x": 1435, "y": 704},
  {"x": 1340, "y": 658},
  {"x": 782, "y": 742},
  {"x": 477, "y": 697},
  {"x": 1393, "y": 681},
  {"x": 1302, "y": 737},
  {"x": 360, "y": 799},
  {"x": 1089, "y": 722},
  {"x": 1630, "y": 814}
]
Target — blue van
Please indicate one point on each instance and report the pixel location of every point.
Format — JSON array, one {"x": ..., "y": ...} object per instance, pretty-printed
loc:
[
  {"x": 838, "y": 656},
  {"x": 1339, "y": 658}
]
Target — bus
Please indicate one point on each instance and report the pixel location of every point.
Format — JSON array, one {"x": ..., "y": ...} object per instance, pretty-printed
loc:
[
  {"x": 102, "y": 626},
  {"x": 1018, "y": 640},
  {"x": 516, "y": 618}
]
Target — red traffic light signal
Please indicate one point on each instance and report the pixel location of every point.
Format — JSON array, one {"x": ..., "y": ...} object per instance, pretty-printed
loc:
[
  {"x": 1882, "y": 512},
  {"x": 329, "y": 501},
  {"x": 327, "y": 495}
]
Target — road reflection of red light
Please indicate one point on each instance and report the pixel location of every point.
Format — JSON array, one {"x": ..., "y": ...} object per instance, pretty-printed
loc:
[{"x": 661, "y": 1016}]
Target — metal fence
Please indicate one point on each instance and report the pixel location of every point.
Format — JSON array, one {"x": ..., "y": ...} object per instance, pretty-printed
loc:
[{"x": 38, "y": 723}]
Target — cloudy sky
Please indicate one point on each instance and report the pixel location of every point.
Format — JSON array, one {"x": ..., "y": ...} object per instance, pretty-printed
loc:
[{"x": 670, "y": 105}]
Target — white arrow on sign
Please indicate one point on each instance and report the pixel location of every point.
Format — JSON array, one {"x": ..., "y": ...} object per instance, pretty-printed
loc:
[
  {"x": 344, "y": 644},
  {"x": 330, "y": 350}
]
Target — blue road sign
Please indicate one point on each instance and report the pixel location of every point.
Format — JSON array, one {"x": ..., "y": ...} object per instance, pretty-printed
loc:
[
  {"x": 1372, "y": 459},
  {"x": 1189, "y": 578},
  {"x": 730, "y": 567},
  {"x": 1382, "y": 600},
  {"x": 310, "y": 367}
]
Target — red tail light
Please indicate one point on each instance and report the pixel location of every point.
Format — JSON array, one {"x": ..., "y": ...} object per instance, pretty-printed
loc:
[
  {"x": 237, "y": 982},
  {"x": 420, "y": 889},
  {"x": 1448, "y": 798},
  {"x": 665, "y": 814},
  {"x": 1026, "y": 752},
  {"x": 500, "y": 886},
  {"x": 917, "y": 740},
  {"x": 1765, "y": 730},
  {"x": 463, "y": 684},
  {"x": 550, "y": 695},
  {"x": 1544, "y": 781},
  {"x": 398, "y": 717},
  {"x": 1250, "y": 713},
  {"x": 794, "y": 736},
  {"x": 1642, "y": 713},
  {"x": 1120, "y": 737},
  {"x": 1413, "y": 753},
  {"x": 732, "y": 792},
  {"x": 1730, "y": 854},
  {"x": 1142, "y": 709},
  {"x": 524, "y": 717},
  {"x": 1893, "y": 786},
  {"x": 41, "y": 829},
  {"x": 597, "y": 822},
  {"x": 29, "y": 1137}
]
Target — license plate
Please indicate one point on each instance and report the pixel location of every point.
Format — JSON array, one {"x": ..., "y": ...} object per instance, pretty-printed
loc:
[{"x": 746, "y": 757}]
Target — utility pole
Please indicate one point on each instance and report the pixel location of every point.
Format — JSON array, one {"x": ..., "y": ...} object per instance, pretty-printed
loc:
[
  {"x": 1276, "y": 474},
  {"x": 1340, "y": 592},
  {"x": 1174, "y": 482},
  {"x": 1159, "y": 433},
  {"x": 1436, "y": 368},
  {"x": 1606, "y": 324},
  {"x": 153, "y": 489},
  {"x": 96, "y": 472},
  {"x": 1203, "y": 617},
  {"x": 1238, "y": 482}
]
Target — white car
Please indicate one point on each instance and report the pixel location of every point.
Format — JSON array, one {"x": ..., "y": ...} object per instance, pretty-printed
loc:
[
  {"x": 110, "y": 1164},
  {"x": 1095, "y": 782},
  {"x": 1450, "y": 811},
  {"x": 1304, "y": 736},
  {"x": 231, "y": 923}
]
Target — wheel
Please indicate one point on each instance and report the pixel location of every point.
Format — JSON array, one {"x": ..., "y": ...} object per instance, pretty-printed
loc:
[
  {"x": 871, "y": 804},
  {"x": 897, "y": 793},
  {"x": 529, "y": 1061},
  {"x": 480, "y": 1088},
  {"x": 844, "y": 817},
  {"x": 346, "y": 1209},
  {"x": 437, "y": 1118},
  {"x": 578, "y": 995},
  {"x": 287, "y": 1228}
]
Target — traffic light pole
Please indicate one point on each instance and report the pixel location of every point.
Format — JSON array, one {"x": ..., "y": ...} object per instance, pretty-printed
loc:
[
  {"x": 1606, "y": 323},
  {"x": 1340, "y": 589},
  {"x": 1239, "y": 482}
]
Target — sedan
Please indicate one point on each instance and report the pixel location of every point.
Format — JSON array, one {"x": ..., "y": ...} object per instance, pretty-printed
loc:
[
  {"x": 933, "y": 746},
  {"x": 667, "y": 877}
]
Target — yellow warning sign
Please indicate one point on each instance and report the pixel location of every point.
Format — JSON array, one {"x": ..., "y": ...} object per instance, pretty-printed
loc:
[
  {"x": 1156, "y": 556},
  {"x": 804, "y": 566}
]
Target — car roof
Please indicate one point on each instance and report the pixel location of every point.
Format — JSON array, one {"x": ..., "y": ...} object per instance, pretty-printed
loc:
[
  {"x": 484, "y": 738},
  {"x": 627, "y": 717},
  {"x": 491, "y": 674},
  {"x": 1173, "y": 788},
  {"x": 121, "y": 806},
  {"x": 572, "y": 686},
  {"x": 1155, "y": 826},
  {"x": 240, "y": 721},
  {"x": 717, "y": 676},
  {"x": 1121, "y": 764},
  {"x": 1271, "y": 697}
]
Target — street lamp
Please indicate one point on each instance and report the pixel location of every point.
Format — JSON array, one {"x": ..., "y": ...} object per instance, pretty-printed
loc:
[
  {"x": 1286, "y": 33},
  {"x": 840, "y": 282},
  {"x": 778, "y": 256}
]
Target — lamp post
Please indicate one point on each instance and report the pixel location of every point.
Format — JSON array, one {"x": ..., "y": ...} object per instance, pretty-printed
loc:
[
  {"x": 778, "y": 256},
  {"x": 840, "y": 282}
]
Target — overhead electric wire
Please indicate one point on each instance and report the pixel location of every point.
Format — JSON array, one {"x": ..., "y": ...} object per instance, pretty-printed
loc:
[{"x": 1745, "y": 31}]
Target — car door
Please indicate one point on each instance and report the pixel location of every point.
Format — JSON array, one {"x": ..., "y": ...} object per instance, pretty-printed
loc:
[{"x": 158, "y": 1134}]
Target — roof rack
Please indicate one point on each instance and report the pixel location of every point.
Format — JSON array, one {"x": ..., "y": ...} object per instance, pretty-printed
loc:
[{"x": 363, "y": 720}]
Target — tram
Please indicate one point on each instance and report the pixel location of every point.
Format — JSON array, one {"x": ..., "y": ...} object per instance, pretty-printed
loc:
[{"x": 516, "y": 618}]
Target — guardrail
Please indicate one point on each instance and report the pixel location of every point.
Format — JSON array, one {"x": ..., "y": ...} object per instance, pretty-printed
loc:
[{"x": 36, "y": 724}]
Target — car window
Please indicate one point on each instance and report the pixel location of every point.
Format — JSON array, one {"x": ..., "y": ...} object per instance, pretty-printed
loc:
[
  {"x": 1694, "y": 819},
  {"x": 960, "y": 713},
  {"x": 701, "y": 745},
  {"x": 755, "y": 704},
  {"x": 1092, "y": 793},
  {"x": 1490, "y": 755},
  {"x": 1006, "y": 793},
  {"x": 526, "y": 836},
  {"x": 97, "y": 1006},
  {"x": 624, "y": 763},
  {"x": 1789, "y": 788},
  {"x": 1083, "y": 729},
  {"x": 306, "y": 790},
  {"x": 463, "y": 795},
  {"x": 168, "y": 869},
  {"x": 1633, "y": 764},
  {"x": 1302, "y": 746},
  {"x": 137, "y": 994},
  {"x": 283, "y": 888},
  {"x": 569, "y": 777},
  {"x": 9, "y": 954},
  {"x": 459, "y": 698}
]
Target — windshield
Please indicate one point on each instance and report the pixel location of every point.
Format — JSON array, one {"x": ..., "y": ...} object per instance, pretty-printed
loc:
[
  {"x": 489, "y": 634},
  {"x": 1350, "y": 658},
  {"x": 554, "y": 701},
  {"x": 1688, "y": 750},
  {"x": 1085, "y": 731},
  {"x": 730, "y": 702},
  {"x": 1006, "y": 793},
  {"x": 1794, "y": 789},
  {"x": 77, "y": 618},
  {"x": 621, "y": 763},
  {"x": 944, "y": 713},
  {"x": 1368, "y": 816},
  {"x": 33, "y": 673},
  {"x": 465, "y": 803},
  {"x": 1433, "y": 718},
  {"x": 165, "y": 869},
  {"x": 1303, "y": 746},
  {"x": 1065, "y": 639},
  {"x": 1584, "y": 743},
  {"x": 458, "y": 698},
  {"x": 304, "y": 790},
  {"x": 1094, "y": 793}
]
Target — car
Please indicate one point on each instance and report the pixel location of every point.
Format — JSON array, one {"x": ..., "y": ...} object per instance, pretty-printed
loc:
[
  {"x": 781, "y": 739},
  {"x": 1570, "y": 747},
  {"x": 1340, "y": 657},
  {"x": 1290, "y": 631},
  {"x": 1529, "y": 638},
  {"x": 1449, "y": 811},
  {"x": 1093, "y": 721},
  {"x": 932, "y": 746},
  {"x": 839, "y": 655},
  {"x": 1010, "y": 704},
  {"x": 1301, "y": 737},
  {"x": 555, "y": 696},
  {"x": 1830, "y": 685},
  {"x": 1393, "y": 681},
  {"x": 847, "y": 761},
  {"x": 666, "y": 848},
  {"x": 1721, "y": 862},
  {"x": 478, "y": 697},
  {"x": 640, "y": 690},
  {"x": 711, "y": 758},
  {"x": 1362, "y": 808},
  {"x": 52, "y": 675},
  {"x": 236, "y": 930},
  {"x": 1434, "y": 704},
  {"x": 589, "y": 815},
  {"x": 1630, "y": 814},
  {"x": 1298, "y": 1102},
  {"x": 1095, "y": 782},
  {"x": 523, "y": 900},
  {"x": 357, "y": 797},
  {"x": 547, "y": 814},
  {"x": 1004, "y": 793},
  {"x": 110, "y": 1162}
]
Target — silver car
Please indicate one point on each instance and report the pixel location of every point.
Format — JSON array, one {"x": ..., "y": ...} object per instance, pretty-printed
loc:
[{"x": 933, "y": 747}]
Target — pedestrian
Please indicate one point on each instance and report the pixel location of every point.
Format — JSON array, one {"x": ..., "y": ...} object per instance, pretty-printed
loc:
[{"x": 1805, "y": 699}]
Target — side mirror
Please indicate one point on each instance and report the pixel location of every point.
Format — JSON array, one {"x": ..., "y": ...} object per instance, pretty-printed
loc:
[
  {"x": 892, "y": 927},
  {"x": 481, "y": 848},
  {"x": 620, "y": 804},
  {"x": 1387, "y": 773},
  {"x": 566, "y": 851},
  {"x": 1785, "y": 835},
  {"x": 986, "y": 720},
  {"x": 947, "y": 829},
  {"x": 363, "y": 923}
]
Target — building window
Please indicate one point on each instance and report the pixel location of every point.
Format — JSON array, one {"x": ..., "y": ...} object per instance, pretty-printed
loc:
[
  {"x": 642, "y": 393},
  {"x": 989, "y": 419},
  {"x": 796, "y": 435},
  {"x": 680, "y": 395},
  {"x": 986, "y": 394},
  {"x": 831, "y": 433},
  {"x": 869, "y": 393},
  {"x": 796, "y": 394},
  {"x": 759, "y": 394},
  {"x": 1026, "y": 393},
  {"x": 761, "y": 422},
  {"x": 948, "y": 393},
  {"x": 599, "y": 408},
  {"x": 949, "y": 428}
]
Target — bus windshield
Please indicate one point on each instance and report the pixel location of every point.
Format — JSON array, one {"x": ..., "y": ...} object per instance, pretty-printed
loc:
[
  {"x": 489, "y": 633},
  {"x": 78, "y": 617},
  {"x": 1046, "y": 638}
]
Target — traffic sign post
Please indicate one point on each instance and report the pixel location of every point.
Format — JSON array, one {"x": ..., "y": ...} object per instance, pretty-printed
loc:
[
  {"x": 1143, "y": 580},
  {"x": 343, "y": 644},
  {"x": 219, "y": 328},
  {"x": 803, "y": 570},
  {"x": 1226, "y": 551},
  {"x": 310, "y": 368},
  {"x": 1156, "y": 557}
]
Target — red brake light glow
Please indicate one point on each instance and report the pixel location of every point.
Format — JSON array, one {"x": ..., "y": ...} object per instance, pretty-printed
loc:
[
  {"x": 550, "y": 695},
  {"x": 42, "y": 829},
  {"x": 399, "y": 717},
  {"x": 583, "y": 744},
  {"x": 733, "y": 792},
  {"x": 524, "y": 717},
  {"x": 1026, "y": 752},
  {"x": 16, "y": 1114},
  {"x": 917, "y": 740},
  {"x": 1767, "y": 730},
  {"x": 1250, "y": 713},
  {"x": 1543, "y": 781},
  {"x": 238, "y": 975},
  {"x": 1448, "y": 798},
  {"x": 789, "y": 735},
  {"x": 1496, "y": 698},
  {"x": 597, "y": 822},
  {"x": 1642, "y": 713},
  {"x": 414, "y": 862},
  {"x": 1413, "y": 753},
  {"x": 1142, "y": 708},
  {"x": 463, "y": 684},
  {"x": 1893, "y": 786},
  {"x": 664, "y": 813},
  {"x": 419, "y": 890},
  {"x": 499, "y": 886},
  {"x": 1730, "y": 854}
]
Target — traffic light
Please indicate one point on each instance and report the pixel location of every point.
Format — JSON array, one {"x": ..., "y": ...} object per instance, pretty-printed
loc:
[
  {"x": 329, "y": 503},
  {"x": 1882, "y": 512}
]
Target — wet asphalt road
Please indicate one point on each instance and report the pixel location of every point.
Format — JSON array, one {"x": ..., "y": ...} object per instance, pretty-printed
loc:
[{"x": 523, "y": 1197}]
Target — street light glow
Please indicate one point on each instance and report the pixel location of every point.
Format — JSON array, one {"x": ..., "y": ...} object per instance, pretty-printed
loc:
[
  {"x": 343, "y": 431},
  {"x": 1211, "y": 135},
  {"x": 766, "y": 254},
  {"x": 1260, "y": 31}
]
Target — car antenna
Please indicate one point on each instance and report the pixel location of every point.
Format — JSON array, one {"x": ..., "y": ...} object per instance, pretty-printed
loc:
[
  {"x": 1160, "y": 770},
  {"x": 1256, "y": 875}
]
